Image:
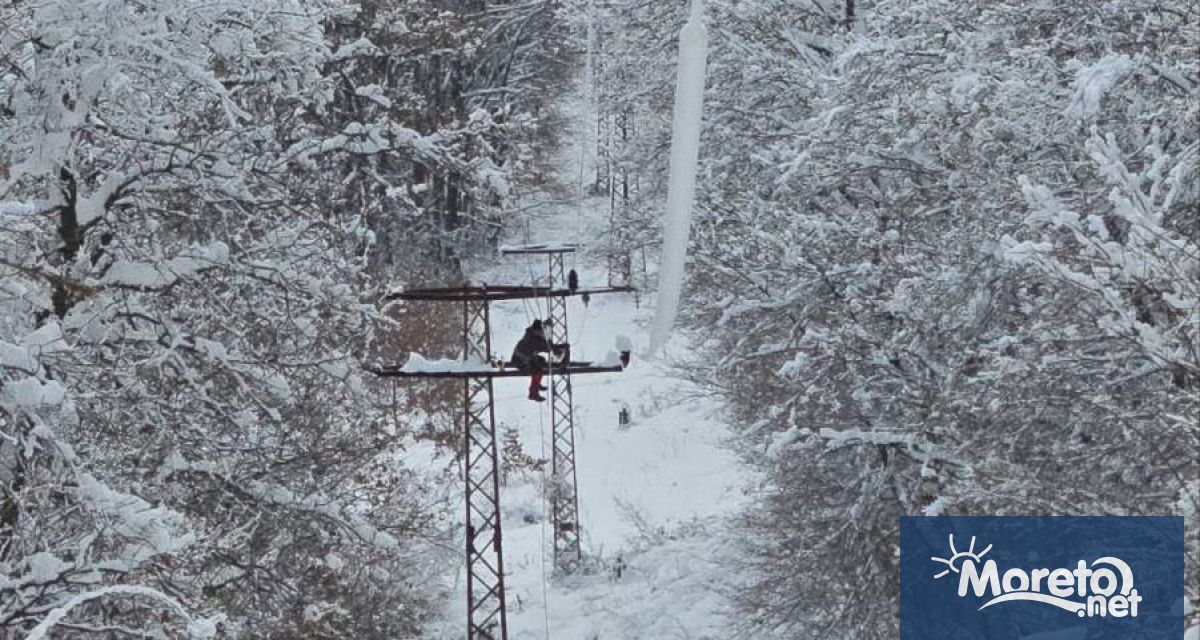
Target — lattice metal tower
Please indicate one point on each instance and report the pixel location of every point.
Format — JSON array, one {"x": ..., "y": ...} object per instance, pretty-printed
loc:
[
  {"x": 486, "y": 615},
  {"x": 564, "y": 492}
]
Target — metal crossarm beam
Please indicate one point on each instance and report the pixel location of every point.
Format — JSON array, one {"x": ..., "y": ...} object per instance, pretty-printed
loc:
[
  {"x": 564, "y": 495},
  {"x": 534, "y": 249},
  {"x": 573, "y": 368},
  {"x": 486, "y": 617},
  {"x": 456, "y": 294}
]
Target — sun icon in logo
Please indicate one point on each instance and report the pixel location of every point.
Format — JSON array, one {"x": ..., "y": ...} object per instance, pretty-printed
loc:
[{"x": 957, "y": 557}]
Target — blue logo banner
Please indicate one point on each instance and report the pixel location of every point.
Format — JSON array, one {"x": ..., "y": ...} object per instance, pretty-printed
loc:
[{"x": 1041, "y": 578}]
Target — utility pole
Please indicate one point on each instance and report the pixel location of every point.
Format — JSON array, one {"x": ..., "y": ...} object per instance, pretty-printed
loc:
[
  {"x": 564, "y": 502},
  {"x": 486, "y": 615},
  {"x": 486, "y": 610},
  {"x": 564, "y": 482}
]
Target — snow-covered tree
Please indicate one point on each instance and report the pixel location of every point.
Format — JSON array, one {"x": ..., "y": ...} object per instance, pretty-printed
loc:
[
  {"x": 945, "y": 262},
  {"x": 189, "y": 446}
]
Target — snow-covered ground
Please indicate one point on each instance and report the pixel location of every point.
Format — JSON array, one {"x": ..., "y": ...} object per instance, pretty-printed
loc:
[{"x": 653, "y": 497}]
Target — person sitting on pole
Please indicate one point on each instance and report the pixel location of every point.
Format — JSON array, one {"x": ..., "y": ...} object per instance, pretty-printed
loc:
[{"x": 527, "y": 357}]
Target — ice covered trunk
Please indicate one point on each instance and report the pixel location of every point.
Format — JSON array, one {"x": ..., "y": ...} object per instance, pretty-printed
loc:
[{"x": 685, "y": 151}]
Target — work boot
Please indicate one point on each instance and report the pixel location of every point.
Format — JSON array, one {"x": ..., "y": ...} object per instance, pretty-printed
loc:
[
  {"x": 535, "y": 396},
  {"x": 543, "y": 388}
]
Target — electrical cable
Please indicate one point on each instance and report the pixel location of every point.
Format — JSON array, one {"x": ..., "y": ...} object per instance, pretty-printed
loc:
[{"x": 542, "y": 530}]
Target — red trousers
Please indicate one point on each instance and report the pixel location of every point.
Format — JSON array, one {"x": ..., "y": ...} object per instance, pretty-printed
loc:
[{"x": 535, "y": 381}]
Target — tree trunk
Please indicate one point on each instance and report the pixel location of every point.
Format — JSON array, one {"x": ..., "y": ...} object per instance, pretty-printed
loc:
[{"x": 72, "y": 239}]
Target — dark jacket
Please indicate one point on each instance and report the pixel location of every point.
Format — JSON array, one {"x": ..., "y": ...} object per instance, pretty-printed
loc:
[{"x": 534, "y": 342}]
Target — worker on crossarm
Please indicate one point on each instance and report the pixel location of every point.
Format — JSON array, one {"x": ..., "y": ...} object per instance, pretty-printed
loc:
[{"x": 528, "y": 357}]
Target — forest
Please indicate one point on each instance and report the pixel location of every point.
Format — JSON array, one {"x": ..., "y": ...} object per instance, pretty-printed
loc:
[{"x": 944, "y": 260}]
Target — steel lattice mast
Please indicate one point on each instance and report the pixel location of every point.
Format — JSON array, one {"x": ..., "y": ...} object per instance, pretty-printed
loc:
[
  {"x": 564, "y": 492},
  {"x": 487, "y": 616}
]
